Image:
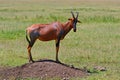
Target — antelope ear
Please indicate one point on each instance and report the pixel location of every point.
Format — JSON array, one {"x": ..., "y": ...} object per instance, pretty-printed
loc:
[
  {"x": 79, "y": 21},
  {"x": 69, "y": 19}
]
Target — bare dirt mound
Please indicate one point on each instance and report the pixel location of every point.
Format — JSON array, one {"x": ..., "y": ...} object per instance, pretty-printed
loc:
[{"x": 42, "y": 69}]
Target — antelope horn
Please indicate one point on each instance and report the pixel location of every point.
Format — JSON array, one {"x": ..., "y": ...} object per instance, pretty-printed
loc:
[
  {"x": 72, "y": 14},
  {"x": 77, "y": 15}
]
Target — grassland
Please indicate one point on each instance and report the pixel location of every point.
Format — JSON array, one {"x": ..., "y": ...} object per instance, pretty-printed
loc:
[{"x": 96, "y": 42}]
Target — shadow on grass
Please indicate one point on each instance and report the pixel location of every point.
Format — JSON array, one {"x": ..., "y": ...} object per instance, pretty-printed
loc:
[
  {"x": 61, "y": 63},
  {"x": 93, "y": 70},
  {"x": 84, "y": 69}
]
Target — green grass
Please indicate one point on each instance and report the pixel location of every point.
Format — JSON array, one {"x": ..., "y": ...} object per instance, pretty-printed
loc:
[{"x": 96, "y": 42}]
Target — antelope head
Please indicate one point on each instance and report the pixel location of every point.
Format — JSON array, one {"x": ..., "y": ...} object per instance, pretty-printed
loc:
[{"x": 74, "y": 20}]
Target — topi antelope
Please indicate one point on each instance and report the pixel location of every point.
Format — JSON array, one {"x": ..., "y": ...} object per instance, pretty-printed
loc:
[{"x": 46, "y": 32}]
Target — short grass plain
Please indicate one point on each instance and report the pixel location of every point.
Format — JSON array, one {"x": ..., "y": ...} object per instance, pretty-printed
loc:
[{"x": 96, "y": 42}]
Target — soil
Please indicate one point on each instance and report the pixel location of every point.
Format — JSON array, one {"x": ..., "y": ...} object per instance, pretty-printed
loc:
[{"x": 42, "y": 69}]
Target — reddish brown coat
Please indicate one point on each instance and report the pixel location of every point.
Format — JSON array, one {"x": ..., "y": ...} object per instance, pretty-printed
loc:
[{"x": 46, "y": 32}]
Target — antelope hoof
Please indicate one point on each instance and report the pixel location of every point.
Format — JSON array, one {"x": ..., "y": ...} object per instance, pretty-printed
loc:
[
  {"x": 31, "y": 61},
  {"x": 58, "y": 61}
]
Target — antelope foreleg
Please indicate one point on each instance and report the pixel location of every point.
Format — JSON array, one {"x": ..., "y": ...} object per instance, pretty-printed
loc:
[{"x": 57, "y": 49}]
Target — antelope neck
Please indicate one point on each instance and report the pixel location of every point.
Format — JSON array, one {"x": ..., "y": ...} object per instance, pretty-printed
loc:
[{"x": 67, "y": 27}]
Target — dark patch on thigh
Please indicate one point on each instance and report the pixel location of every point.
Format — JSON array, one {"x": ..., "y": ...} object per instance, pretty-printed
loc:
[{"x": 34, "y": 35}]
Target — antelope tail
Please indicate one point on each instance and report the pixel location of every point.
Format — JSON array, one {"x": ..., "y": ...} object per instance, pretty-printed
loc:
[{"x": 27, "y": 38}]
